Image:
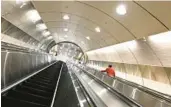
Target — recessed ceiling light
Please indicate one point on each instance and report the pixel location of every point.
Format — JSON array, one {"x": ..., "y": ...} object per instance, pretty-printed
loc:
[
  {"x": 33, "y": 15},
  {"x": 121, "y": 9},
  {"x": 41, "y": 26},
  {"x": 65, "y": 36},
  {"x": 66, "y": 17},
  {"x": 65, "y": 29},
  {"x": 97, "y": 29},
  {"x": 46, "y": 33},
  {"x": 88, "y": 37}
]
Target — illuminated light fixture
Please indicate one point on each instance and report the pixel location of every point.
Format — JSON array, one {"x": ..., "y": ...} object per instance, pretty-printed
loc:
[
  {"x": 66, "y": 17},
  {"x": 50, "y": 37},
  {"x": 97, "y": 29},
  {"x": 121, "y": 9},
  {"x": 46, "y": 33},
  {"x": 88, "y": 37},
  {"x": 65, "y": 29},
  {"x": 41, "y": 26},
  {"x": 65, "y": 36},
  {"x": 33, "y": 15}
]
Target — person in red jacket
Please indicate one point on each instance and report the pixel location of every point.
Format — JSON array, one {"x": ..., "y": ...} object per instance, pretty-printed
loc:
[{"x": 110, "y": 71}]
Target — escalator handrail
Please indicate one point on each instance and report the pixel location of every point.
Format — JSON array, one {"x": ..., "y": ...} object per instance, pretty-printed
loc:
[
  {"x": 56, "y": 88},
  {"x": 142, "y": 88},
  {"x": 90, "y": 95},
  {"x": 25, "y": 78},
  {"x": 86, "y": 94},
  {"x": 147, "y": 90}
]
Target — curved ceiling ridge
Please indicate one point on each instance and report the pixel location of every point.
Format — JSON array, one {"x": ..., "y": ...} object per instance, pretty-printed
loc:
[
  {"x": 110, "y": 17},
  {"x": 151, "y": 14}
]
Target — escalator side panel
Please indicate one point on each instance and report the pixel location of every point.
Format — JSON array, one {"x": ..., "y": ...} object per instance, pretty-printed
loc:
[
  {"x": 141, "y": 97},
  {"x": 32, "y": 94}
]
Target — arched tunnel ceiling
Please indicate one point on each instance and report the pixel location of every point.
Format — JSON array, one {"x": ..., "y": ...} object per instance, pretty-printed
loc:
[{"x": 143, "y": 18}]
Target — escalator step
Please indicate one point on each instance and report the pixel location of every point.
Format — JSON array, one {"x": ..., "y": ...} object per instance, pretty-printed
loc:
[
  {"x": 37, "y": 86},
  {"x": 10, "y": 102},
  {"x": 40, "y": 83},
  {"x": 42, "y": 77},
  {"x": 42, "y": 80},
  {"x": 34, "y": 91},
  {"x": 47, "y": 78},
  {"x": 28, "y": 97}
]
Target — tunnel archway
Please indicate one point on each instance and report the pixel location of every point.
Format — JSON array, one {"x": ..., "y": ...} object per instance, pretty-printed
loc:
[{"x": 67, "y": 48}]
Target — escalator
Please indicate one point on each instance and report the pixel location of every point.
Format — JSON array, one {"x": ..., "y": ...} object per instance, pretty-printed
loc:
[
  {"x": 64, "y": 85},
  {"x": 37, "y": 91},
  {"x": 101, "y": 94},
  {"x": 110, "y": 89}
]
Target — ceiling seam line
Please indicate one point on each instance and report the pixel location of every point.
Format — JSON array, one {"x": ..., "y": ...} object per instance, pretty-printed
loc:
[
  {"x": 110, "y": 17},
  {"x": 151, "y": 15}
]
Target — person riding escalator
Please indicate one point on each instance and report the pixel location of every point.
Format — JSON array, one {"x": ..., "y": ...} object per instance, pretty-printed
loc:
[{"x": 110, "y": 71}]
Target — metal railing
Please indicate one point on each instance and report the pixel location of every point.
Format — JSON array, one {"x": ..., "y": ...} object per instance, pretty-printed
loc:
[
  {"x": 126, "y": 99},
  {"x": 23, "y": 79},
  {"x": 132, "y": 91},
  {"x": 157, "y": 94}
]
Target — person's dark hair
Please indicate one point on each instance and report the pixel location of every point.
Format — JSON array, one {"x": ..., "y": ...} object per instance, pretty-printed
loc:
[{"x": 110, "y": 66}]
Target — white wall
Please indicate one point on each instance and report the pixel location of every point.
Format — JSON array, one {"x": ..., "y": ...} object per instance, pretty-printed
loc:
[{"x": 153, "y": 50}]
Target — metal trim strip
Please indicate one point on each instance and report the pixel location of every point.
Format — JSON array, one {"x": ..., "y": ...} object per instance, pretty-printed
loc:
[{"x": 57, "y": 83}]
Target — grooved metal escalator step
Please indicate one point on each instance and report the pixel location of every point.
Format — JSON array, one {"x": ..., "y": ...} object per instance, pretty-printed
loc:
[
  {"x": 46, "y": 78},
  {"x": 40, "y": 83},
  {"x": 34, "y": 91},
  {"x": 10, "y": 102},
  {"x": 42, "y": 80},
  {"x": 37, "y": 86},
  {"x": 29, "y": 97}
]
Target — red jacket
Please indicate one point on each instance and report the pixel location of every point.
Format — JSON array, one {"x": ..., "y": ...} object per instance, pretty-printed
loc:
[{"x": 110, "y": 72}]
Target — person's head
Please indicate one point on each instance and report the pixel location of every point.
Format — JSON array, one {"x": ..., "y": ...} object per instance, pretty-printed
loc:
[{"x": 109, "y": 66}]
